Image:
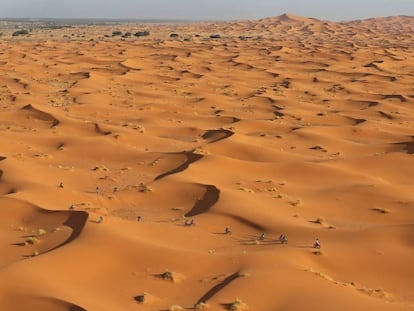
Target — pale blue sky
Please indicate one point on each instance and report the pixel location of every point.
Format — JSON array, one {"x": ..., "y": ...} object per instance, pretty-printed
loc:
[{"x": 204, "y": 9}]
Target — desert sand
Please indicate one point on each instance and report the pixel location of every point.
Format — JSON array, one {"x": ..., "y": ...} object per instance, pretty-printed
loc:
[{"x": 284, "y": 125}]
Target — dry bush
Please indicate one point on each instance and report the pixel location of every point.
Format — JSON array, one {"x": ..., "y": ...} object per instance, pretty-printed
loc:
[
  {"x": 237, "y": 305},
  {"x": 31, "y": 240},
  {"x": 201, "y": 306}
]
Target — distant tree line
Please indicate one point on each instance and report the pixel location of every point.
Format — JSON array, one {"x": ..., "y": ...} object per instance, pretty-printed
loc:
[{"x": 129, "y": 34}]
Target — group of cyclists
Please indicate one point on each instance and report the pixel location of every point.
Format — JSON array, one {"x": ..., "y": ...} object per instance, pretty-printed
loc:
[{"x": 282, "y": 238}]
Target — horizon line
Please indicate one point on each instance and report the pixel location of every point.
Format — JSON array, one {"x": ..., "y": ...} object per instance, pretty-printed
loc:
[{"x": 181, "y": 20}]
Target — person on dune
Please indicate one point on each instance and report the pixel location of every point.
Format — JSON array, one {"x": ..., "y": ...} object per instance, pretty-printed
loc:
[{"x": 283, "y": 239}]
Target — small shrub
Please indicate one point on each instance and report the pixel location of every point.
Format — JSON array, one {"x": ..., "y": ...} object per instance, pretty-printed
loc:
[
  {"x": 41, "y": 232},
  {"x": 320, "y": 221},
  {"x": 216, "y": 36},
  {"x": 116, "y": 33},
  {"x": 174, "y": 35},
  {"x": 237, "y": 305},
  {"x": 31, "y": 240},
  {"x": 296, "y": 202},
  {"x": 142, "y": 33},
  {"x": 201, "y": 306},
  {"x": 318, "y": 148},
  {"x": 169, "y": 276},
  {"x": 142, "y": 298},
  {"x": 22, "y": 32},
  {"x": 246, "y": 190},
  {"x": 144, "y": 188}
]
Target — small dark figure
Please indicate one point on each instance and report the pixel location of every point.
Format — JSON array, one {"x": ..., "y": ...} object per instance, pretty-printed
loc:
[
  {"x": 100, "y": 219},
  {"x": 317, "y": 244},
  {"x": 61, "y": 184},
  {"x": 139, "y": 218},
  {"x": 97, "y": 189},
  {"x": 262, "y": 236},
  {"x": 115, "y": 189},
  {"x": 227, "y": 230},
  {"x": 283, "y": 239},
  {"x": 71, "y": 207}
]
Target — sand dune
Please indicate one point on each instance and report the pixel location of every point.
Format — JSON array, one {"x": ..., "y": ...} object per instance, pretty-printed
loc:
[{"x": 124, "y": 159}]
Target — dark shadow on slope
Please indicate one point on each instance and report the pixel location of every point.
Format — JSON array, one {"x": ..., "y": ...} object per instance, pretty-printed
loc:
[
  {"x": 41, "y": 115},
  {"x": 211, "y": 197},
  {"x": 218, "y": 288},
  {"x": 217, "y": 135},
  {"x": 76, "y": 308},
  {"x": 244, "y": 221},
  {"x": 407, "y": 146},
  {"x": 191, "y": 158}
]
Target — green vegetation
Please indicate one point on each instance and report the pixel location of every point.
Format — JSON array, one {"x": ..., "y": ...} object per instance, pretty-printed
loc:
[
  {"x": 142, "y": 33},
  {"x": 21, "y": 32}
]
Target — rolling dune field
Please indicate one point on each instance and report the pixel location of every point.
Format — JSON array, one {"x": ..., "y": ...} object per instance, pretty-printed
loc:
[{"x": 124, "y": 159}]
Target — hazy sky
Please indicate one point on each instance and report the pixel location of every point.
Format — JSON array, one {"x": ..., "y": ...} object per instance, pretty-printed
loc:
[{"x": 204, "y": 9}]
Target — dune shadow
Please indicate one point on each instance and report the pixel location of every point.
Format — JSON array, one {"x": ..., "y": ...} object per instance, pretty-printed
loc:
[
  {"x": 214, "y": 290},
  {"x": 99, "y": 130},
  {"x": 49, "y": 303},
  {"x": 407, "y": 146},
  {"x": 386, "y": 115},
  {"x": 245, "y": 221},
  {"x": 191, "y": 158},
  {"x": 220, "y": 233},
  {"x": 217, "y": 135},
  {"x": 211, "y": 196},
  {"x": 395, "y": 96},
  {"x": 257, "y": 241},
  {"x": 357, "y": 121},
  {"x": 76, "y": 221},
  {"x": 304, "y": 246},
  {"x": 41, "y": 115}
]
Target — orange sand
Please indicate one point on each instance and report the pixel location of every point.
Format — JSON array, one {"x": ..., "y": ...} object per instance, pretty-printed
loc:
[{"x": 301, "y": 127}]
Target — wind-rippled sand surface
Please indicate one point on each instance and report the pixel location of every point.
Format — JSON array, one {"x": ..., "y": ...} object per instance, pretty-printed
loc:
[{"x": 283, "y": 125}]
